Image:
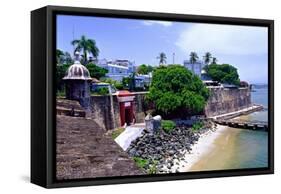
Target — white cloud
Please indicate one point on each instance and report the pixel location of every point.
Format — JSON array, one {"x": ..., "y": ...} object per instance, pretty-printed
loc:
[
  {"x": 223, "y": 39},
  {"x": 162, "y": 23}
]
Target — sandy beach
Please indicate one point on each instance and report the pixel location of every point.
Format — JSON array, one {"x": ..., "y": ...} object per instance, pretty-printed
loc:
[{"x": 199, "y": 149}]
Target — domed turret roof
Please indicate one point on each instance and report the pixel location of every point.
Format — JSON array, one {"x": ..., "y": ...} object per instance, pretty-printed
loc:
[{"x": 77, "y": 71}]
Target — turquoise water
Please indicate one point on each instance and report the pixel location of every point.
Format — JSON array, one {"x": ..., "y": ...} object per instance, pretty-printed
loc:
[
  {"x": 252, "y": 146},
  {"x": 240, "y": 148},
  {"x": 260, "y": 97},
  {"x": 251, "y": 151}
]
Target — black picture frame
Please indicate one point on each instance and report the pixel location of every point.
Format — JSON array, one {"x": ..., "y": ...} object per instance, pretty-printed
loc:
[{"x": 43, "y": 110}]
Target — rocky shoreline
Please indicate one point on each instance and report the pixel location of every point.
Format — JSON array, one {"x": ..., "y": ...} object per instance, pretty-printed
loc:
[{"x": 160, "y": 150}]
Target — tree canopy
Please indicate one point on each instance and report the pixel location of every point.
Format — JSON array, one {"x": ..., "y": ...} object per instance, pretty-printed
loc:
[
  {"x": 96, "y": 71},
  {"x": 214, "y": 60},
  {"x": 59, "y": 56},
  {"x": 193, "y": 57},
  {"x": 60, "y": 73},
  {"x": 223, "y": 73},
  {"x": 144, "y": 69},
  {"x": 87, "y": 46},
  {"x": 174, "y": 89},
  {"x": 207, "y": 58}
]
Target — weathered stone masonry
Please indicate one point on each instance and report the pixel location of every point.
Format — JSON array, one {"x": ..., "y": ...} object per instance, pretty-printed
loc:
[
  {"x": 84, "y": 150},
  {"x": 223, "y": 100},
  {"x": 106, "y": 117}
]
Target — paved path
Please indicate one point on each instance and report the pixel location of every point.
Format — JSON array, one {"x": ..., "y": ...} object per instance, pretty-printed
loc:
[
  {"x": 85, "y": 151},
  {"x": 130, "y": 134}
]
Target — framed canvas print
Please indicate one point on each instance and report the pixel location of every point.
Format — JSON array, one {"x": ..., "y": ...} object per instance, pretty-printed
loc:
[{"x": 126, "y": 96}]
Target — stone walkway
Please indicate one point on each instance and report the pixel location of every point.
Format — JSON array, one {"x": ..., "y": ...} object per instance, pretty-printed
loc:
[
  {"x": 130, "y": 134},
  {"x": 85, "y": 151}
]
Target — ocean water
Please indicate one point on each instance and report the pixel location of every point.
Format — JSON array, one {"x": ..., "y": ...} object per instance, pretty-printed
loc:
[{"x": 240, "y": 148}]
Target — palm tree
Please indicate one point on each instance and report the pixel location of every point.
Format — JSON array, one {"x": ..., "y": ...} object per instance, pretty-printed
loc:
[
  {"x": 162, "y": 58},
  {"x": 87, "y": 46},
  {"x": 207, "y": 58},
  {"x": 193, "y": 57},
  {"x": 59, "y": 56},
  {"x": 215, "y": 60}
]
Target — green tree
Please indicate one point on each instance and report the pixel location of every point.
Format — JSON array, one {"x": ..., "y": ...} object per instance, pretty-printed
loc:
[
  {"x": 132, "y": 83},
  {"x": 59, "y": 56},
  {"x": 87, "y": 46},
  {"x": 207, "y": 58},
  {"x": 144, "y": 69},
  {"x": 162, "y": 58},
  {"x": 224, "y": 73},
  {"x": 177, "y": 91},
  {"x": 117, "y": 84},
  {"x": 193, "y": 57},
  {"x": 96, "y": 71},
  {"x": 214, "y": 60},
  {"x": 150, "y": 68},
  {"x": 60, "y": 73},
  {"x": 67, "y": 58}
]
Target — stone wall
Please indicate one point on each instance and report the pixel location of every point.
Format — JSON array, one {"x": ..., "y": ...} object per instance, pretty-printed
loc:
[
  {"x": 139, "y": 106},
  {"x": 105, "y": 110},
  {"x": 223, "y": 100}
]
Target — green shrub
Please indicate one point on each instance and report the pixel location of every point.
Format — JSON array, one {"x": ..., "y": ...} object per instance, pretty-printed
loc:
[
  {"x": 140, "y": 162},
  {"x": 223, "y": 73},
  {"x": 168, "y": 125},
  {"x": 153, "y": 167},
  {"x": 96, "y": 71},
  {"x": 102, "y": 91},
  {"x": 61, "y": 93},
  {"x": 118, "y": 85},
  {"x": 196, "y": 126}
]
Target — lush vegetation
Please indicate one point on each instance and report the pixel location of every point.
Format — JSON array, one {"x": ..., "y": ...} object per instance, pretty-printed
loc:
[
  {"x": 140, "y": 162},
  {"x": 63, "y": 57},
  {"x": 168, "y": 125},
  {"x": 196, "y": 126},
  {"x": 193, "y": 57},
  {"x": 96, "y": 71},
  {"x": 117, "y": 132},
  {"x": 223, "y": 73},
  {"x": 214, "y": 60},
  {"x": 144, "y": 69},
  {"x": 129, "y": 83},
  {"x": 87, "y": 47},
  {"x": 101, "y": 91},
  {"x": 60, "y": 73},
  {"x": 144, "y": 164},
  {"x": 177, "y": 91},
  {"x": 207, "y": 58}
]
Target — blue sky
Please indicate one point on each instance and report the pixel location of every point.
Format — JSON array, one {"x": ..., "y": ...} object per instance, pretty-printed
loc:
[{"x": 142, "y": 41}]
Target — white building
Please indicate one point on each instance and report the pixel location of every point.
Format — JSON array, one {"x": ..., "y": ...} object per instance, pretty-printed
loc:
[
  {"x": 196, "y": 67},
  {"x": 142, "y": 81},
  {"x": 117, "y": 69}
]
